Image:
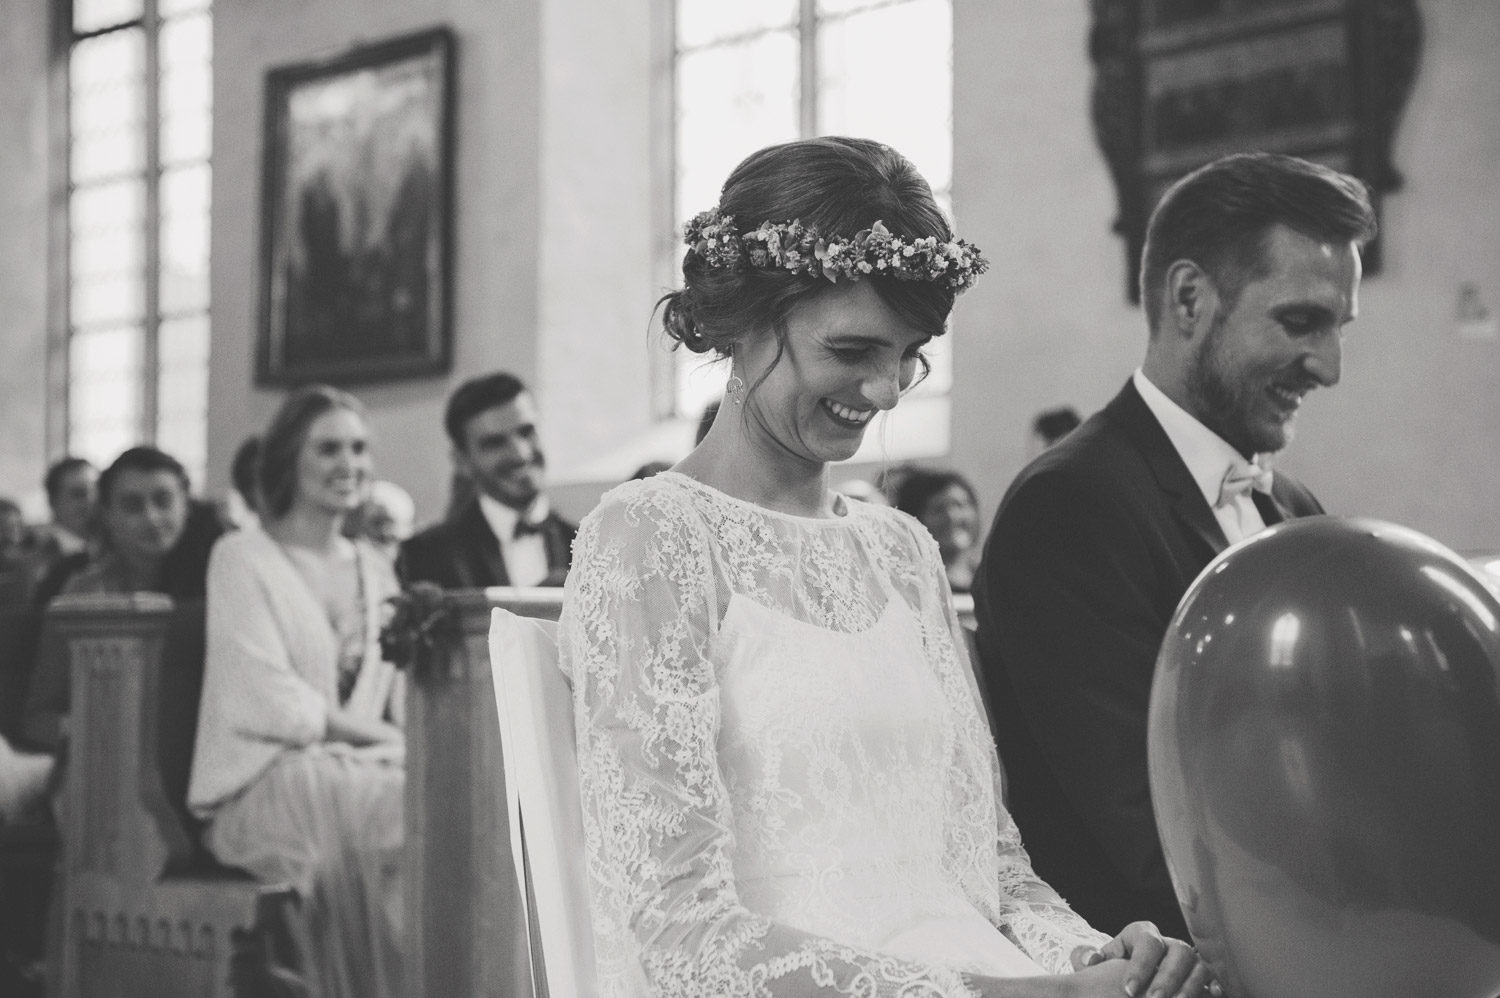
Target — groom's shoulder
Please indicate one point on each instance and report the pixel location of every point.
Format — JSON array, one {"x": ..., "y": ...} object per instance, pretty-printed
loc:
[{"x": 1098, "y": 454}]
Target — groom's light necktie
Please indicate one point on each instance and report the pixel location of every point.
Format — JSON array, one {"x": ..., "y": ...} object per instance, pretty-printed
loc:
[{"x": 1239, "y": 480}]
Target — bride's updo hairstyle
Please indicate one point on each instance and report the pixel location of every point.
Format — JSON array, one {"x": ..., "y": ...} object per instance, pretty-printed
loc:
[{"x": 835, "y": 185}]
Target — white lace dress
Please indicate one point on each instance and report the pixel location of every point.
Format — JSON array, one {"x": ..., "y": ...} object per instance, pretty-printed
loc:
[{"x": 788, "y": 788}]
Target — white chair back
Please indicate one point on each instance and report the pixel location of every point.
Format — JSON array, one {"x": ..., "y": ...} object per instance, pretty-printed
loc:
[{"x": 535, "y": 704}]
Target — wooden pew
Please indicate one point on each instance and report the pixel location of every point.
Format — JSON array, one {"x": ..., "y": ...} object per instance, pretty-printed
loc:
[
  {"x": 144, "y": 911},
  {"x": 465, "y": 931},
  {"x": 28, "y": 847}
]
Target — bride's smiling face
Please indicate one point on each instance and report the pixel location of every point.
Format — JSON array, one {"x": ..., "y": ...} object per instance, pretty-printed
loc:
[{"x": 848, "y": 356}]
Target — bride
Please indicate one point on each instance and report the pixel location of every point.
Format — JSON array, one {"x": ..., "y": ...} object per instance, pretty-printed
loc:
[{"x": 788, "y": 787}]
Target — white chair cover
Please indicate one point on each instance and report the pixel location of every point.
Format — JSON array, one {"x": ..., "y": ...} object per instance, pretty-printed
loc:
[{"x": 535, "y": 705}]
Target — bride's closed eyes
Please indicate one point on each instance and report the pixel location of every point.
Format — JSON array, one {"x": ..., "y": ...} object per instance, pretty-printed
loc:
[{"x": 861, "y": 349}]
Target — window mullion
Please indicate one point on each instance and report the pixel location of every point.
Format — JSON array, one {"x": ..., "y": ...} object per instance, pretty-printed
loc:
[
  {"x": 808, "y": 91},
  {"x": 150, "y": 347},
  {"x": 60, "y": 323}
]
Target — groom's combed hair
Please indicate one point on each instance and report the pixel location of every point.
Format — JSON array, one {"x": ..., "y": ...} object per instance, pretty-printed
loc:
[
  {"x": 837, "y": 185},
  {"x": 1218, "y": 217}
]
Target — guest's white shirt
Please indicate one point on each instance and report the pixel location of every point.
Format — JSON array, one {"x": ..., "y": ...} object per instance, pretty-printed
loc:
[
  {"x": 525, "y": 557},
  {"x": 1208, "y": 458}
]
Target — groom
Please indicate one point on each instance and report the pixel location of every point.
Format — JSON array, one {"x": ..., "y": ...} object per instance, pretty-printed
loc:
[{"x": 1250, "y": 272}]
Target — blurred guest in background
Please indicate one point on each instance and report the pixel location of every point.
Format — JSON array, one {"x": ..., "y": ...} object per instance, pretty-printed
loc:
[
  {"x": 144, "y": 507},
  {"x": 154, "y": 538},
  {"x": 1050, "y": 426},
  {"x": 385, "y": 518},
  {"x": 12, "y": 533},
  {"x": 72, "y": 494},
  {"x": 650, "y": 468},
  {"x": 24, "y": 778},
  {"x": 299, "y": 763},
  {"x": 15, "y": 561},
  {"x": 948, "y": 507},
  {"x": 705, "y": 421},
  {"x": 240, "y": 506},
  {"x": 863, "y": 490},
  {"x": 507, "y": 535}
]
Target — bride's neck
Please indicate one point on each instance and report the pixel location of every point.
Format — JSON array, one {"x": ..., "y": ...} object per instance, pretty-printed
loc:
[{"x": 743, "y": 465}]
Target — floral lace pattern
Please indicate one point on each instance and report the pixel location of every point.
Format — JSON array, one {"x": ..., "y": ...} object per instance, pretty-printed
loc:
[{"x": 783, "y": 760}]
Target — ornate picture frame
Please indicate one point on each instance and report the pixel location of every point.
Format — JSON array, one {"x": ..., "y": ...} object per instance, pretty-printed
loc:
[
  {"x": 356, "y": 223},
  {"x": 1179, "y": 83}
]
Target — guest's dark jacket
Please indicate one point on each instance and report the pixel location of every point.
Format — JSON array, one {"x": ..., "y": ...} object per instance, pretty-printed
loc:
[
  {"x": 1093, "y": 546},
  {"x": 464, "y": 553}
]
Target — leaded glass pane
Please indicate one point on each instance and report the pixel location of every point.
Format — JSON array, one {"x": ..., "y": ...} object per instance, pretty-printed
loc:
[
  {"x": 182, "y": 391},
  {"x": 702, "y": 22},
  {"x": 731, "y": 100},
  {"x": 93, "y": 15},
  {"x": 104, "y": 392},
  {"x": 186, "y": 88},
  {"x": 107, "y": 106},
  {"x": 105, "y": 288},
  {"x": 183, "y": 267},
  {"x": 109, "y": 252},
  {"x": 887, "y": 74}
]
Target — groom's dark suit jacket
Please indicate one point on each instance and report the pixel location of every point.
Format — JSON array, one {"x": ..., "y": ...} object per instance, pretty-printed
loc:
[
  {"x": 463, "y": 553},
  {"x": 1093, "y": 546}
]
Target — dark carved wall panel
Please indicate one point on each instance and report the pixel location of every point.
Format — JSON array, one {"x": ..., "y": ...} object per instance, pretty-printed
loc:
[{"x": 1178, "y": 83}]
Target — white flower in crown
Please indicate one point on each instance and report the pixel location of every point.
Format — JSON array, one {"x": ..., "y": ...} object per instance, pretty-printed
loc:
[{"x": 800, "y": 249}]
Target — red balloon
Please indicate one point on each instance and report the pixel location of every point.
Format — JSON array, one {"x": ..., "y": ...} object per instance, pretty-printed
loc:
[{"x": 1324, "y": 748}]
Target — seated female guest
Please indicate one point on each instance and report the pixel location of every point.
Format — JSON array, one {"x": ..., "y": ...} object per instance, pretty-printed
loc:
[
  {"x": 298, "y": 764},
  {"x": 788, "y": 785},
  {"x": 945, "y": 503}
]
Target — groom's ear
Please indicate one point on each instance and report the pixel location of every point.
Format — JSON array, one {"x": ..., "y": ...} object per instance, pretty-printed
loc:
[{"x": 1191, "y": 299}]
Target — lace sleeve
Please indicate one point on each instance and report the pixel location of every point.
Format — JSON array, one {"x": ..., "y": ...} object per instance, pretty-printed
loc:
[
  {"x": 641, "y": 609},
  {"x": 984, "y": 845}
]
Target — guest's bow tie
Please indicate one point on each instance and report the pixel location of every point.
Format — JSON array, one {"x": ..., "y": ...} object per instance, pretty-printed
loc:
[
  {"x": 1239, "y": 479},
  {"x": 525, "y": 527}
]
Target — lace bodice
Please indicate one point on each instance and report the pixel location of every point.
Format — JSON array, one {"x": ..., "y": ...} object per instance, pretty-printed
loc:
[{"x": 783, "y": 762}]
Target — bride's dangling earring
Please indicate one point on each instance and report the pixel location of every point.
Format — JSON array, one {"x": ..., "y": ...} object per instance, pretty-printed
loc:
[{"x": 735, "y": 389}]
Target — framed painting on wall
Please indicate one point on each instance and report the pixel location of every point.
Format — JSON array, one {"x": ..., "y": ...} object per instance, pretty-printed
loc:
[
  {"x": 356, "y": 215},
  {"x": 1179, "y": 83}
]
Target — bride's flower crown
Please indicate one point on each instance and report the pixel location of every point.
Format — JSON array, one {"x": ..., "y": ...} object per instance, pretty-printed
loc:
[{"x": 801, "y": 249}]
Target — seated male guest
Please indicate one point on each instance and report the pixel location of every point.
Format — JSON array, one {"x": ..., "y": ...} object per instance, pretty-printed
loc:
[
  {"x": 1250, "y": 272},
  {"x": 72, "y": 493},
  {"x": 15, "y": 560},
  {"x": 507, "y": 535},
  {"x": 156, "y": 538}
]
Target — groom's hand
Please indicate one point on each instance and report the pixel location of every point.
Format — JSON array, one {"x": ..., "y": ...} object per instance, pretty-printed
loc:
[{"x": 1159, "y": 967}]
